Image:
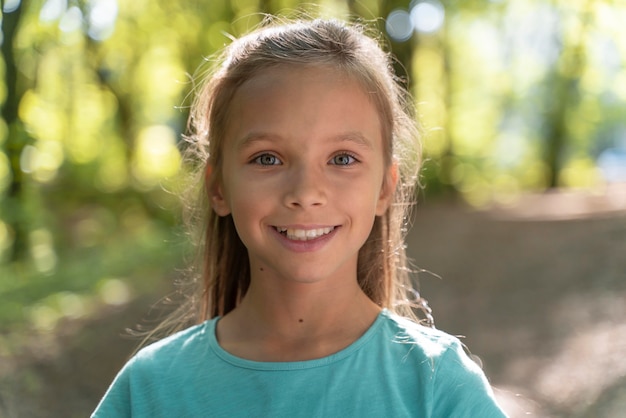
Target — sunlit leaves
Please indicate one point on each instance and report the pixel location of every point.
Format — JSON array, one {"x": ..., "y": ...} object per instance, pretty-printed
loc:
[
  {"x": 581, "y": 172},
  {"x": 101, "y": 18},
  {"x": 42, "y": 250},
  {"x": 532, "y": 92},
  {"x": 104, "y": 87},
  {"x": 368, "y": 9},
  {"x": 156, "y": 155},
  {"x": 159, "y": 81},
  {"x": 89, "y": 116},
  {"x": 113, "y": 169},
  {"x": 217, "y": 35},
  {"x": 483, "y": 77}
]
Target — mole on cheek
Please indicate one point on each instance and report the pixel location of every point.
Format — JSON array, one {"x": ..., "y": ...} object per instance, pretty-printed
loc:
[{"x": 261, "y": 269}]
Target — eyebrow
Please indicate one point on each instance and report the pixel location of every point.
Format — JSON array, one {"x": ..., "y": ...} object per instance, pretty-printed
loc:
[
  {"x": 356, "y": 137},
  {"x": 353, "y": 136},
  {"x": 253, "y": 137}
]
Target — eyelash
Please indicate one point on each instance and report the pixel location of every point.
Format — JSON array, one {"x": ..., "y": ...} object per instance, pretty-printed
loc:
[{"x": 276, "y": 161}]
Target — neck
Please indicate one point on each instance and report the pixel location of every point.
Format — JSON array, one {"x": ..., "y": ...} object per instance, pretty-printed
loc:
[
  {"x": 305, "y": 309},
  {"x": 296, "y": 321}
]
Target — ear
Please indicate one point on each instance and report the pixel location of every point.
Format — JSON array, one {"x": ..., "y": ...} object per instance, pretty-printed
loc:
[
  {"x": 387, "y": 190},
  {"x": 215, "y": 192}
]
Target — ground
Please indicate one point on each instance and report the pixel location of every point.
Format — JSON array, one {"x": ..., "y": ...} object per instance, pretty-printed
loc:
[
  {"x": 537, "y": 287},
  {"x": 539, "y": 291}
]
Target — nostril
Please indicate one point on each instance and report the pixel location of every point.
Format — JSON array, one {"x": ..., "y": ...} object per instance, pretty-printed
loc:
[
  {"x": 305, "y": 189},
  {"x": 306, "y": 200}
]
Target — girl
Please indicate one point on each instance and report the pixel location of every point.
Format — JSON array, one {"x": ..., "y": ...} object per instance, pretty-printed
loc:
[{"x": 308, "y": 147}]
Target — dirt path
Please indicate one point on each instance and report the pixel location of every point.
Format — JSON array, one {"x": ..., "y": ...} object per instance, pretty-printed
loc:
[{"x": 541, "y": 301}]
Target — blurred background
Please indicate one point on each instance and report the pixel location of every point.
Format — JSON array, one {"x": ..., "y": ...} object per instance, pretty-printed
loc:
[{"x": 520, "y": 233}]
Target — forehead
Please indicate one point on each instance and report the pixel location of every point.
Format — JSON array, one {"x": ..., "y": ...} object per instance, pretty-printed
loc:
[{"x": 303, "y": 100}]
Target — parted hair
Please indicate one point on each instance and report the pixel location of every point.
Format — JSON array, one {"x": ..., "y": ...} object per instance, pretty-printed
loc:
[{"x": 224, "y": 275}]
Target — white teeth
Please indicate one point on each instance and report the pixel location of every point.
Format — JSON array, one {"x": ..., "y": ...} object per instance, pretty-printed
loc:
[{"x": 304, "y": 234}]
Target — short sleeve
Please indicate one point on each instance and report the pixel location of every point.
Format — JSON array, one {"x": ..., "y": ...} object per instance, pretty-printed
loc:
[{"x": 461, "y": 388}]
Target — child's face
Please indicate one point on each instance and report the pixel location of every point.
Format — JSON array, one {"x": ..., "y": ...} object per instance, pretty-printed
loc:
[{"x": 303, "y": 173}]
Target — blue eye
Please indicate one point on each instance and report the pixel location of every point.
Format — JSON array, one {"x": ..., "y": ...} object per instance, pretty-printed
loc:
[
  {"x": 267, "y": 159},
  {"x": 343, "y": 159}
]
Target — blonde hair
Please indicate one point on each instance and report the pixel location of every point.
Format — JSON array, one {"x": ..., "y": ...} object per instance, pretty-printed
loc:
[{"x": 382, "y": 265}]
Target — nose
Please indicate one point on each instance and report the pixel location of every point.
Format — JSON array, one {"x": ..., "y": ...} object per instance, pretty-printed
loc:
[{"x": 305, "y": 188}]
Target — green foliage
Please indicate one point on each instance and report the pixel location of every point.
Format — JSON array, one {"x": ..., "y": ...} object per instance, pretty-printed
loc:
[
  {"x": 517, "y": 96},
  {"x": 58, "y": 286},
  {"x": 514, "y": 96}
]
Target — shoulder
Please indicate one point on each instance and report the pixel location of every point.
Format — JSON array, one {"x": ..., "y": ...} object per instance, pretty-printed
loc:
[
  {"x": 184, "y": 339},
  {"x": 172, "y": 352},
  {"x": 413, "y": 351},
  {"x": 430, "y": 342},
  {"x": 154, "y": 372},
  {"x": 445, "y": 352},
  {"x": 457, "y": 384}
]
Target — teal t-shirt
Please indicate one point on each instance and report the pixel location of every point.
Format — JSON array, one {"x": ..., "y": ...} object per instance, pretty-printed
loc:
[{"x": 396, "y": 369}]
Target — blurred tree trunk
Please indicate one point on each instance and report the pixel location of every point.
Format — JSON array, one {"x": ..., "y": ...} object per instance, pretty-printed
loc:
[
  {"x": 566, "y": 78},
  {"x": 447, "y": 157},
  {"x": 17, "y": 137}
]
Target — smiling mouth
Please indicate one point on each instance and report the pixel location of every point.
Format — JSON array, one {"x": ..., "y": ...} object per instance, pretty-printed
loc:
[{"x": 304, "y": 234}]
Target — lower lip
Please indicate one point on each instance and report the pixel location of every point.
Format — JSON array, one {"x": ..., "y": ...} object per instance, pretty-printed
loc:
[{"x": 304, "y": 246}]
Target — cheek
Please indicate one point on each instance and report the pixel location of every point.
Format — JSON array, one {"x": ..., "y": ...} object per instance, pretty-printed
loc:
[{"x": 247, "y": 197}]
